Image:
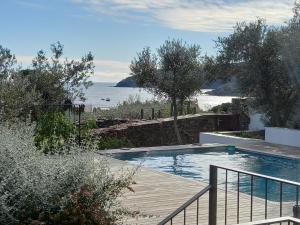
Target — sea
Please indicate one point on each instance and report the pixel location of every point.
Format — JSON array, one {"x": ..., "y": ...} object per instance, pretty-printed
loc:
[{"x": 106, "y": 95}]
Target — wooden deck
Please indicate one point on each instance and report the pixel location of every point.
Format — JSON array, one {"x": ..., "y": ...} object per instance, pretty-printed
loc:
[{"x": 159, "y": 194}]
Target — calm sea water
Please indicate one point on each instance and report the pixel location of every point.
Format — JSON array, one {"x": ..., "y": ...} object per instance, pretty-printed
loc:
[{"x": 99, "y": 91}]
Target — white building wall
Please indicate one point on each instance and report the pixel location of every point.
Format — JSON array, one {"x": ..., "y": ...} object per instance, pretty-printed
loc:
[
  {"x": 283, "y": 136},
  {"x": 210, "y": 138}
]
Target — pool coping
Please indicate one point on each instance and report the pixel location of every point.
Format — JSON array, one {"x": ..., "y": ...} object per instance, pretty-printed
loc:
[
  {"x": 197, "y": 146},
  {"x": 265, "y": 152},
  {"x": 159, "y": 148}
]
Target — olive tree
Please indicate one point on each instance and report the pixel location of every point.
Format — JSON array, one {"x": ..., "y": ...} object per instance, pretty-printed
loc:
[
  {"x": 7, "y": 63},
  {"x": 291, "y": 55},
  {"x": 48, "y": 81},
  {"x": 252, "y": 53},
  {"x": 58, "y": 79},
  {"x": 173, "y": 72}
]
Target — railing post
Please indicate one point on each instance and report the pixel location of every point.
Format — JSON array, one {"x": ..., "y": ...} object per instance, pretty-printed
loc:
[
  {"x": 213, "y": 181},
  {"x": 296, "y": 213},
  {"x": 79, "y": 123},
  {"x": 159, "y": 114},
  {"x": 142, "y": 114},
  {"x": 152, "y": 114}
]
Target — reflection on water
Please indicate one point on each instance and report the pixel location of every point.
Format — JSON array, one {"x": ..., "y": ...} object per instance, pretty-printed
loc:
[{"x": 194, "y": 164}]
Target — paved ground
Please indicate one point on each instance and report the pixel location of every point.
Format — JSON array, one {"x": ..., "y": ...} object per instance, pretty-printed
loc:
[
  {"x": 158, "y": 194},
  {"x": 276, "y": 149}
]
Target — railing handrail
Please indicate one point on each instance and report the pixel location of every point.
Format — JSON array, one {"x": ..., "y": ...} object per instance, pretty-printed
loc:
[
  {"x": 185, "y": 205},
  {"x": 212, "y": 188},
  {"x": 275, "y": 220},
  {"x": 259, "y": 175}
]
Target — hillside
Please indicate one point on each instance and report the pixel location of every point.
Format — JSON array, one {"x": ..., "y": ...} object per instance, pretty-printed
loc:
[
  {"x": 220, "y": 88},
  {"x": 127, "y": 82}
]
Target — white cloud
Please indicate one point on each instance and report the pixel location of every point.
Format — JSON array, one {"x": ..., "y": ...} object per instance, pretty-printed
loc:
[
  {"x": 24, "y": 59},
  {"x": 193, "y": 15},
  {"x": 110, "y": 70},
  {"x": 30, "y": 4},
  {"x": 105, "y": 70}
]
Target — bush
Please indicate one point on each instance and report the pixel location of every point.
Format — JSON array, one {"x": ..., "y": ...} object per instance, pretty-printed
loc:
[
  {"x": 131, "y": 109},
  {"x": 90, "y": 123},
  {"x": 112, "y": 143},
  {"x": 223, "y": 108},
  {"x": 53, "y": 131},
  {"x": 74, "y": 188}
]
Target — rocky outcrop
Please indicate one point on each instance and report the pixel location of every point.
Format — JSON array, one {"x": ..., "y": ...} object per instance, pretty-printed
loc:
[{"x": 127, "y": 82}]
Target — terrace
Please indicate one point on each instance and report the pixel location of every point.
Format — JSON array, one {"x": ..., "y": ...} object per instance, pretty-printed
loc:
[{"x": 163, "y": 198}]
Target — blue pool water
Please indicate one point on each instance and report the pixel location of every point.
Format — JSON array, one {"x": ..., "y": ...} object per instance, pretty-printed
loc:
[{"x": 194, "y": 164}]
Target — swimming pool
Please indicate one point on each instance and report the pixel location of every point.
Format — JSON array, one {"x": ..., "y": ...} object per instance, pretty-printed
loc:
[{"x": 194, "y": 164}]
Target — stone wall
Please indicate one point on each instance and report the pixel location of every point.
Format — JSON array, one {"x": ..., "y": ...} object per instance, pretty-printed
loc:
[{"x": 161, "y": 132}]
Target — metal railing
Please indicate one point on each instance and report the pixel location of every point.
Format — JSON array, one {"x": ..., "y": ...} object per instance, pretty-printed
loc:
[
  {"x": 241, "y": 188},
  {"x": 184, "y": 207},
  {"x": 288, "y": 219},
  {"x": 265, "y": 180}
]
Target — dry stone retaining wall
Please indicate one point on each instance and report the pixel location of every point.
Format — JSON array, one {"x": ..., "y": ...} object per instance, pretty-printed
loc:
[{"x": 161, "y": 132}]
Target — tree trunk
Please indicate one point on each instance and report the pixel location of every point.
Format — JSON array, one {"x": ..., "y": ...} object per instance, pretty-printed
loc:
[{"x": 175, "y": 111}]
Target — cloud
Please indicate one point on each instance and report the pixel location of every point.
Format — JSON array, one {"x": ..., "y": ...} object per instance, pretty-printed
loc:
[
  {"x": 30, "y": 4},
  {"x": 105, "y": 70},
  {"x": 24, "y": 59},
  {"x": 110, "y": 70},
  {"x": 193, "y": 15}
]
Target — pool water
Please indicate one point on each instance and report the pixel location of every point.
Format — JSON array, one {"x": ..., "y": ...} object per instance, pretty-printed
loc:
[{"x": 194, "y": 164}]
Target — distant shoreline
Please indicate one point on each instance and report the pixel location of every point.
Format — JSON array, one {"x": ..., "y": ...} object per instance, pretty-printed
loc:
[{"x": 218, "y": 87}]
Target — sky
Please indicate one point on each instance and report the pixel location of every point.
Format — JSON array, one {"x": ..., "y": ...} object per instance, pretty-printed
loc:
[{"x": 115, "y": 30}]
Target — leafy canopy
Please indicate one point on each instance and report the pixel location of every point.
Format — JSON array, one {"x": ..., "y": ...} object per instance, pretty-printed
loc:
[
  {"x": 48, "y": 81},
  {"x": 253, "y": 54},
  {"x": 174, "y": 72}
]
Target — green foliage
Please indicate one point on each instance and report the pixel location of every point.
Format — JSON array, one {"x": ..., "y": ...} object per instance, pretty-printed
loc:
[
  {"x": 290, "y": 36},
  {"x": 53, "y": 131},
  {"x": 90, "y": 123},
  {"x": 253, "y": 54},
  {"x": 7, "y": 63},
  {"x": 73, "y": 188},
  {"x": 112, "y": 143},
  {"x": 223, "y": 108},
  {"x": 17, "y": 99},
  {"x": 131, "y": 109},
  {"x": 174, "y": 72},
  {"x": 48, "y": 81}
]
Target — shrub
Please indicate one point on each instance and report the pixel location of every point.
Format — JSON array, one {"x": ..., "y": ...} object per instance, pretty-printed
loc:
[
  {"x": 74, "y": 188},
  {"x": 223, "y": 108},
  {"x": 112, "y": 143},
  {"x": 90, "y": 123},
  {"x": 131, "y": 109},
  {"x": 53, "y": 131}
]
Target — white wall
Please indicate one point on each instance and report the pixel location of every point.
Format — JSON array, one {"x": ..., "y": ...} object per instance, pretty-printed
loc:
[
  {"x": 283, "y": 136},
  {"x": 209, "y": 138}
]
